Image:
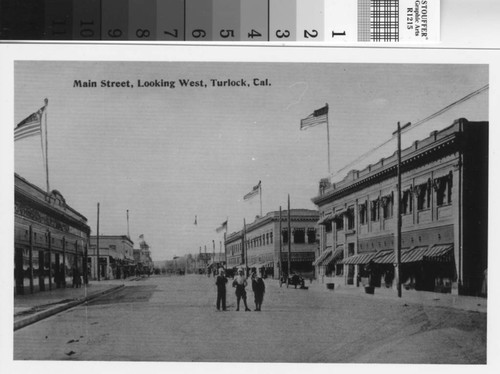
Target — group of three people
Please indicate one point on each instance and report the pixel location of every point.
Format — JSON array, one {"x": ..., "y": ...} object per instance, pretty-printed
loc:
[{"x": 240, "y": 283}]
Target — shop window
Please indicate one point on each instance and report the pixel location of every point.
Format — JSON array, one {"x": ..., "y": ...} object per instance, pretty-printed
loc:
[
  {"x": 299, "y": 236},
  {"x": 374, "y": 210},
  {"x": 339, "y": 270},
  {"x": 311, "y": 236}
]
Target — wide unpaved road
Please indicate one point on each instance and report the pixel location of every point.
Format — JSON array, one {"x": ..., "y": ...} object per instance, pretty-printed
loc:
[{"x": 174, "y": 319}]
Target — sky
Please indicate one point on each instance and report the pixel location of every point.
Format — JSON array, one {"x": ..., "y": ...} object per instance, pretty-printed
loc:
[{"x": 168, "y": 155}]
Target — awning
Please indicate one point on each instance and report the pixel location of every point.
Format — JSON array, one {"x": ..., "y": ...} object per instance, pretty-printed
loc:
[
  {"x": 338, "y": 254},
  {"x": 362, "y": 258},
  {"x": 440, "y": 253},
  {"x": 436, "y": 253},
  {"x": 322, "y": 257},
  {"x": 326, "y": 218}
]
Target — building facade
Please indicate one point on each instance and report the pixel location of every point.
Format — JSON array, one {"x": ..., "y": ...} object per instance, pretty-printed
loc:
[
  {"x": 258, "y": 245},
  {"x": 444, "y": 211},
  {"x": 50, "y": 240},
  {"x": 116, "y": 257},
  {"x": 142, "y": 257}
]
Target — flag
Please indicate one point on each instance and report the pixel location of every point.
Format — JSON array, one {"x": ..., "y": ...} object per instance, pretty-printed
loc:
[
  {"x": 222, "y": 227},
  {"x": 317, "y": 117},
  {"x": 30, "y": 126},
  {"x": 254, "y": 192}
]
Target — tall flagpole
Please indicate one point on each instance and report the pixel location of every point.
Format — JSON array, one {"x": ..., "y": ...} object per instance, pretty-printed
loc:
[
  {"x": 46, "y": 147},
  {"x": 260, "y": 194},
  {"x": 328, "y": 139}
]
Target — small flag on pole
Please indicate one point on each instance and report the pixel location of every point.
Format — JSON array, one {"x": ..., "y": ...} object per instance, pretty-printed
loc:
[
  {"x": 255, "y": 191},
  {"x": 30, "y": 126},
  {"x": 317, "y": 117},
  {"x": 222, "y": 227}
]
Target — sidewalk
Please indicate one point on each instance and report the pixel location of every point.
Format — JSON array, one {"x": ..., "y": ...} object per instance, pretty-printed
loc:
[
  {"x": 32, "y": 308},
  {"x": 469, "y": 303}
]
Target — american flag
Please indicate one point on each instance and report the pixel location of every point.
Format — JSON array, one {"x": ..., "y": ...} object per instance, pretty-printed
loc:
[
  {"x": 317, "y": 117},
  {"x": 30, "y": 126},
  {"x": 222, "y": 227},
  {"x": 254, "y": 192}
]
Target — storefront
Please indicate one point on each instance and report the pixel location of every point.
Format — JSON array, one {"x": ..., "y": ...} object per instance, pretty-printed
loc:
[{"x": 51, "y": 240}]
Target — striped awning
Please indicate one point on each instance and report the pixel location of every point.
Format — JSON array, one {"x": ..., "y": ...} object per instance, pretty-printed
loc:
[
  {"x": 439, "y": 253},
  {"x": 322, "y": 257},
  {"x": 362, "y": 258},
  {"x": 434, "y": 253},
  {"x": 338, "y": 254},
  {"x": 325, "y": 219}
]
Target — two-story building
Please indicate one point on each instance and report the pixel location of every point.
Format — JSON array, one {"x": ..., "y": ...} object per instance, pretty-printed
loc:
[
  {"x": 116, "y": 257},
  {"x": 444, "y": 209},
  {"x": 257, "y": 246},
  {"x": 50, "y": 239}
]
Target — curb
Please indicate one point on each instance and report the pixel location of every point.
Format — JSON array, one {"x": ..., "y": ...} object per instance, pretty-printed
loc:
[{"x": 50, "y": 312}]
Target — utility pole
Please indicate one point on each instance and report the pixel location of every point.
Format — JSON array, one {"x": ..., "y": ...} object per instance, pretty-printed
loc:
[
  {"x": 289, "y": 239},
  {"x": 97, "y": 246},
  {"x": 398, "y": 210},
  {"x": 128, "y": 227},
  {"x": 280, "y": 263}
]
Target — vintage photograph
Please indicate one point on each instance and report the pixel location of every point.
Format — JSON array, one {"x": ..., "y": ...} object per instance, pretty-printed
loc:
[{"x": 250, "y": 212}]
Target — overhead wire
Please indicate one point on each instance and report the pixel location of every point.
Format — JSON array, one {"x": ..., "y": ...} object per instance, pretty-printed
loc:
[{"x": 414, "y": 125}]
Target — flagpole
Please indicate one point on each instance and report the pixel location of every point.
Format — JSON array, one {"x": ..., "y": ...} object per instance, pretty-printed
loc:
[
  {"x": 328, "y": 139},
  {"x": 260, "y": 195},
  {"x": 46, "y": 147}
]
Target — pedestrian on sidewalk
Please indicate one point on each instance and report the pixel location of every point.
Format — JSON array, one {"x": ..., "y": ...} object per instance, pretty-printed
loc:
[
  {"x": 220, "y": 282},
  {"x": 258, "y": 288},
  {"x": 240, "y": 282}
]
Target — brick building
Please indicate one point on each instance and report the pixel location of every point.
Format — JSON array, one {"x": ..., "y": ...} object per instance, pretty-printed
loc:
[
  {"x": 259, "y": 246},
  {"x": 50, "y": 239},
  {"x": 444, "y": 208},
  {"x": 116, "y": 257}
]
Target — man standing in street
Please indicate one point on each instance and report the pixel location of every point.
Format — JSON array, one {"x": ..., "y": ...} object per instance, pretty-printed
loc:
[
  {"x": 240, "y": 282},
  {"x": 258, "y": 288},
  {"x": 220, "y": 282}
]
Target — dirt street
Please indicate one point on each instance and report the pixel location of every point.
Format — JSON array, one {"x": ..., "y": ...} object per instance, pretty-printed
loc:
[{"x": 175, "y": 319}]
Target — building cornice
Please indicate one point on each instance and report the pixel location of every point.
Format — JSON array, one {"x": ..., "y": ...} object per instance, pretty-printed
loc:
[{"x": 412, "y": 157}]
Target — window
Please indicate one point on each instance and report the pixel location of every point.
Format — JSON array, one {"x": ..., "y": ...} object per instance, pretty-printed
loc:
[
  {"x": 328, "y": 226},
  {"x": 350, "y": 218},
  {"x": 284, "y": 233},
  {"x": 112, "y": 247},
  {"x": 299, "y": 236},
  {"x": 374, "y": 210},
  {"x": 339, "y": 220},
  {"x": 442, "y": 186},
  {"x": 423, "y": 196},
  {"x": 407, "y": 201},
  {"x": 387, "y": 205},
  {"x": 311, "y": 236},
  {"x": 362, "y": 213},
  {"x": 267, "y": 238},
  {"x": 271, "y": 237}
]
